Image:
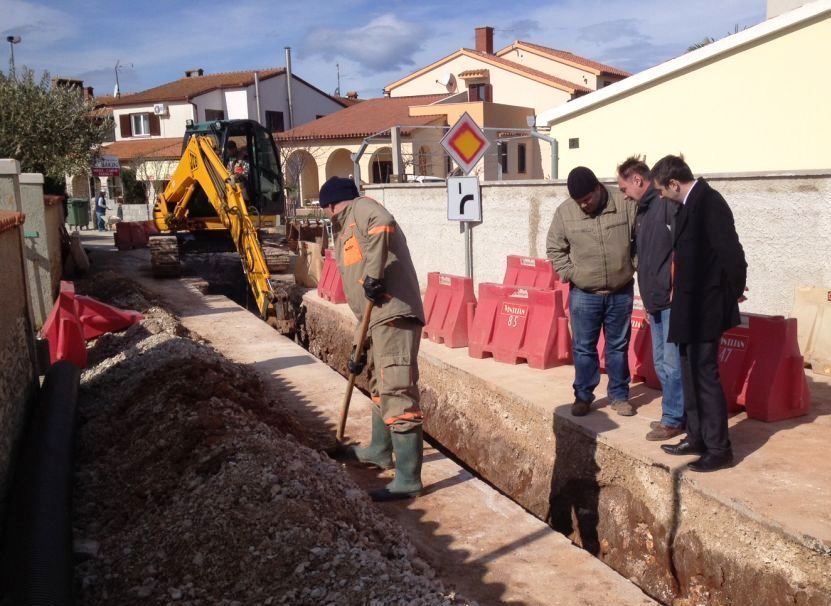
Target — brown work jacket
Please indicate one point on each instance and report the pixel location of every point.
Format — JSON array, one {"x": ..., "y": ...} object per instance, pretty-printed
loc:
[{"x": 368, "y": 242}]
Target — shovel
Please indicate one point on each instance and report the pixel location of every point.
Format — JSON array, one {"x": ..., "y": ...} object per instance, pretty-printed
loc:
[{"x": 359, "y": 350}]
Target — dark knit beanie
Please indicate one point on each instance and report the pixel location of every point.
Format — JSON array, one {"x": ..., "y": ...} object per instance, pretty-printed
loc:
[
  {"x": 337, "y": 189},
  {"x": 581, "y": 182}
]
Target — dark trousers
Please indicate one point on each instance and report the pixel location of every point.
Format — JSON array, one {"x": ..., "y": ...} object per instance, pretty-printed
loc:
[{"x": 704, "y": 401}]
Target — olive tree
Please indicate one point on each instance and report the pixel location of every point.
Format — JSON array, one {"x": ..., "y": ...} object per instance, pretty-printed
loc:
[{"x": 49, "y": 129}]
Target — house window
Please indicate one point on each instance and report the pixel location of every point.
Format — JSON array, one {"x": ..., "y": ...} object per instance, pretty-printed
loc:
[
  {"x": 214, "y": 114},
  {"x": 503, "y": 157},
  {"x": 480, "y": 92},
  {"x": 520, "y": 158},
  {"x": 140, "y": 124},
  {"x": 274, "y": 121}
]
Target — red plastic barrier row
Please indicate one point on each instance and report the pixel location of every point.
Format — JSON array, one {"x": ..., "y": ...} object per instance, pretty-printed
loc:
[
  {"x": 77, "y": 318},
  {"x": 133, "y": 234},
  {"x": 449, "y": 306},
  {"x": 513, "y": 324},
  {"x": 330, "y": 285}
]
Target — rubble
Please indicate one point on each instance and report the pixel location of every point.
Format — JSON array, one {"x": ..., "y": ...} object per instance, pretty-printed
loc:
[{"x": 192, "y": 488}]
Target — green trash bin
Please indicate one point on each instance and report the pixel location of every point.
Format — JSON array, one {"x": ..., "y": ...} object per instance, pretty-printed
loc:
[{"x": 77, "y": 212}]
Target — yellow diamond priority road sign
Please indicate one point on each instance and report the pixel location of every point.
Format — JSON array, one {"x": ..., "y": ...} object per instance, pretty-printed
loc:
[{"x": 466, "y": 143}]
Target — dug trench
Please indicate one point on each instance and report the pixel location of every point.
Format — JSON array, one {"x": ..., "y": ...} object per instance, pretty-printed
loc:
[{"x": 680, "y": 543}]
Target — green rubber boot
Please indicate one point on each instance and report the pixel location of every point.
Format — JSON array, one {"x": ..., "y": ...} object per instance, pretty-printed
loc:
[
  {"x": 409, "y": 454},
  {"x": 379, "y": 451}
]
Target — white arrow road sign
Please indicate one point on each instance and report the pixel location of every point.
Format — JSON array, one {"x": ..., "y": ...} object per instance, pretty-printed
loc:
[{"x": 464, "y": 199}]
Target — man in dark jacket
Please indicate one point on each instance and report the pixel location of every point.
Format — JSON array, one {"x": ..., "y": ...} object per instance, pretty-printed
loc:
[
  {"x": 709, "y": 280},
  {"x": 653, "y": 228},
  {"x": 374, "y": 262}
]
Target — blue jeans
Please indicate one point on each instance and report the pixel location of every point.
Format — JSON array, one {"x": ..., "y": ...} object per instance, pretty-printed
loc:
[
  {"x": 100, "y": 222},
  {"x": 590, "y": 312},
  {"x": 667, "y": 359}
]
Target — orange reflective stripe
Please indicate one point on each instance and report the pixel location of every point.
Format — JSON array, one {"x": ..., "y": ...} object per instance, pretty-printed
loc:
[
  {"x": 389, "y": 229},
  {"x": 407, "y": 416}
]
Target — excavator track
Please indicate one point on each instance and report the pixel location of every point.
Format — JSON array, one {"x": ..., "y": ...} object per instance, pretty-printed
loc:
[{"x": 164, "y": 256}]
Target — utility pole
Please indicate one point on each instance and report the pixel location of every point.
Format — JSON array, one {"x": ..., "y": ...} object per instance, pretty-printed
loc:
[
  {"x": 12, "y": 40},
  {"x": 337, "y": 90},
  {"x": 118, "y": 66}
]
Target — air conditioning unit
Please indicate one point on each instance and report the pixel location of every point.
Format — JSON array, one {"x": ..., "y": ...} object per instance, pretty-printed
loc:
[{"x": 160, "y": 109}]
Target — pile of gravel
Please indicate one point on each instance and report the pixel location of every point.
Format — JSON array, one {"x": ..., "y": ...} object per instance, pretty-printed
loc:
[{"x": 192, "y": 488}]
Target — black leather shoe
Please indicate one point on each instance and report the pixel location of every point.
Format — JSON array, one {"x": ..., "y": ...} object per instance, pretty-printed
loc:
[
  {"x": 682, "y": 448},
  {"x": 712, "y": 462}
]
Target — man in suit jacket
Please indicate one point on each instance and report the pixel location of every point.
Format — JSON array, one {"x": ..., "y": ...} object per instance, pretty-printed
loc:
[{"x": 709, "y": 281}]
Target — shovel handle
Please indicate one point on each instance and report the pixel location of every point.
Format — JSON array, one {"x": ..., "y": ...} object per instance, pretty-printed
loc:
[{"x": 359, "y": 349}]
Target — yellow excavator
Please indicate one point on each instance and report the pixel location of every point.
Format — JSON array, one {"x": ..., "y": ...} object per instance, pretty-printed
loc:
[{"x": 228, "y": 182}]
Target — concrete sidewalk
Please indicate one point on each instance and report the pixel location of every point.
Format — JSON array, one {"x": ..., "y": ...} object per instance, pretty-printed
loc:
[{"x": 480, "y": 542}]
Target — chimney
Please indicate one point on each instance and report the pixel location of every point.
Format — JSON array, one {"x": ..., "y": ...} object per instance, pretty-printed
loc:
[
  {"x": 484, "y": 40},
  {"x": 194, "y": 73},
  {"x": 352, "y": 94}
]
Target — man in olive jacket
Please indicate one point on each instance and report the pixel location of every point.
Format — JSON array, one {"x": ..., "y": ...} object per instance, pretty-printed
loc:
[
  {"x": 374, "y": 262},
  {"x": 590, "y": 243}
]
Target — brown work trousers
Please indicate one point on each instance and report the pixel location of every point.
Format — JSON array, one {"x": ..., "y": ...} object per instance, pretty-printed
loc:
[{"x": 392, "y": 367}]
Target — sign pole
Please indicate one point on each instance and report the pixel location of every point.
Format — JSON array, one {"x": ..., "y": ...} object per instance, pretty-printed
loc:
[{"x": 468, "y": 249}]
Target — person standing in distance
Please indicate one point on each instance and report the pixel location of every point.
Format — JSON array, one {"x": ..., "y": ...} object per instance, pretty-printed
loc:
[
  {"x": 374, "y": 261},
  {"x": 590, "y": 243},
  {"x": 653, "y": 226},
  {"x": 709, "y": 279},
  {"x": 101, "y": 211}
]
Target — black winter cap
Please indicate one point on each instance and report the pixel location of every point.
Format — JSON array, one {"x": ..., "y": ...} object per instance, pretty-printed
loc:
[
  {"x": 581, "y": 182},
  {"x": 337, "y": 189}
]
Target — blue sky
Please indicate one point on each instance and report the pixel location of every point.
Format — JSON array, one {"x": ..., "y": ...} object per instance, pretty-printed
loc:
[{"x": 374, "y": 42}]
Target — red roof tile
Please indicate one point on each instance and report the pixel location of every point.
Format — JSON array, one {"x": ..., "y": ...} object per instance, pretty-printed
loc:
[
  {"x": 553, "y": 52},
  {"x": 363, "y": 119},
  {"x": 187, "y": 88},
  {"x": 147, "y": 149},
  {"x": 347, "y": 101}
]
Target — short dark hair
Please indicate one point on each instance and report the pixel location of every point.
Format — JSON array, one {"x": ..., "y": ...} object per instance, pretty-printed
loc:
[
  {"x": 669, "y": 168},
  {"x": 633, "y": 165}
]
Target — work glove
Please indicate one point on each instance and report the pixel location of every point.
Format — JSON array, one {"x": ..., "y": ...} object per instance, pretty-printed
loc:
[
  {"x": 374, "y": 290},
  {"x": 354, "y": 366}
]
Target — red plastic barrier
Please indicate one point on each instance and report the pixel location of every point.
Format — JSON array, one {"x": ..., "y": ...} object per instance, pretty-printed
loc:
[
  {"x": 449, "y": 305},
  {"x": 762, "y": 369},
  {"x": 330, "y": 285},
  {"x": 123, "y": 240},
  {"x": 514, "y": 324},
  {"x": 64, "y": 331},
  {"x": 138, "y": 234},
  {"x": 530, "y": 271},
  {"x": 641, "y": 363},
  {"x": 98, "y": 318},
  {"x": 150, "y": 228},
  {"x": 76, "y": 318}
]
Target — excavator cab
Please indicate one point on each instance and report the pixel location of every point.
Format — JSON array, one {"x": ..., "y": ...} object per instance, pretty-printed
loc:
[{"x": 248, "y": 152}]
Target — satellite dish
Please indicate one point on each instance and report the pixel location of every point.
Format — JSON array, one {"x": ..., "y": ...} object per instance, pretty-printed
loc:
[{"x": 447, "y": 80}]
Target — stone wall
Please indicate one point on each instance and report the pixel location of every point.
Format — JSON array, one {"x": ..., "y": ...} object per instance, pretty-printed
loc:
[
  {"x": 783, "y": 222},
  {"x": 18, "y": 380}
]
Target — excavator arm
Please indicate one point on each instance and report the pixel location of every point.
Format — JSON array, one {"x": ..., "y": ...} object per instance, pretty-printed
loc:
[{"x": 200, "y": 165}]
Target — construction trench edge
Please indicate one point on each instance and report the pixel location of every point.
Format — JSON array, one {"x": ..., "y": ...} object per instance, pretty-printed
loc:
[{"x": 668, "y": 535}]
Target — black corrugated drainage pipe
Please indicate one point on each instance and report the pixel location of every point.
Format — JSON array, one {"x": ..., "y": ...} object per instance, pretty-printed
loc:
[{"x": 37, "y": 562}]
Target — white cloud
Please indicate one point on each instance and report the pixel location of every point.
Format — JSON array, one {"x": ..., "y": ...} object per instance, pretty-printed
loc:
[{"x": 384, "y": 44}]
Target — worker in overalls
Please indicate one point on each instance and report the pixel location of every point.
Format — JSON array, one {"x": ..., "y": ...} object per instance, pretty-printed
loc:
[{"x": 374, "y": 262}]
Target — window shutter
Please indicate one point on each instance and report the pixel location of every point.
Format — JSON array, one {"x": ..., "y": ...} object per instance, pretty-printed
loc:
[
  {"x": 473, "y": 93},
  {"x": 488, "y": 92},
  {"x": 126, "y": 126},
  {"x": 155, "y": 125}
]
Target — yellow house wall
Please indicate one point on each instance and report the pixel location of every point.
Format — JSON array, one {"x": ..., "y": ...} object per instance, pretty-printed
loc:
[
  {"x": 555, "y": 68},
  {"x": 764, "y": 108},
  {"x": 508, "y": 88}
]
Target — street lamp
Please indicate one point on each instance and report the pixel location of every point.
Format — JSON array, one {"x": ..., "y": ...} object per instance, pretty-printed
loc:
[{"x": 12, "y": 40}]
